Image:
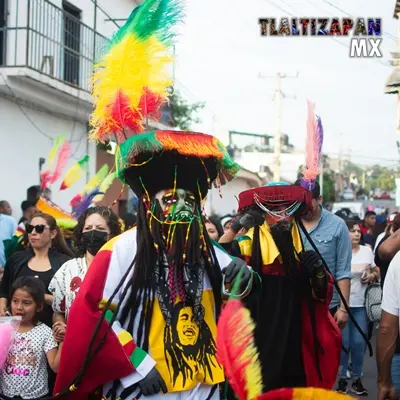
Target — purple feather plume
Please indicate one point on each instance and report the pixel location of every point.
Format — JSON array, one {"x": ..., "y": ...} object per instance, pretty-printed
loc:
[
  {"x": 85, "y": 202},
  {"x": 315, "y": 138}
]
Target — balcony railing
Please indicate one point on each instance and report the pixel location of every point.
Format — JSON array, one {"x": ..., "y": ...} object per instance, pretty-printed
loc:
[{"x": 45, "y": 38}]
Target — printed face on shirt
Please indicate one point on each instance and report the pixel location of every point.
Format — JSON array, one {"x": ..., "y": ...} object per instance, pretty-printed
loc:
[
  {"x": 178, "y": 205},
  {"x": 190, "y": 344},
  {"x": 43, "y": 239},
  {"x": 188, "y": 330},
  {"x": 24, "y": 306},
  {"x": 355, "y": 234}
]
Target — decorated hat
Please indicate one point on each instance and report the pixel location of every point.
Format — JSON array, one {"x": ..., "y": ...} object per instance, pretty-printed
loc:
[
  {"x": 154, "y": 161},
  {"x": 130, "y": 84},
  {"x": 290, "y": 198},
  {"x": 275, "y": 194}
]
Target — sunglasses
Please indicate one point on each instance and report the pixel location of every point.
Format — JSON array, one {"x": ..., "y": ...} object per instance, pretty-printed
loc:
[{"x": 38, "y": 228}]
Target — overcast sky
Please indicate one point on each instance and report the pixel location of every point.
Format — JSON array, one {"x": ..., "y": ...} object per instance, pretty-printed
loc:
[{"x": 220, "y": 54}]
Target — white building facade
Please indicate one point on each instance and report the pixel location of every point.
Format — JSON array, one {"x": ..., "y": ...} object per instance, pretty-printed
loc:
[
  {"x": 47, "y": 50},
  {"x": 261, "y": 162},
  {"x": 224, "y": 200}
]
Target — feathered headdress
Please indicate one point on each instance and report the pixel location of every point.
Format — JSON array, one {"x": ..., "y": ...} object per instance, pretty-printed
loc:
[
  {"x": 130, "y": 84},
  {"x": 315, "y": 138},
  {"x": 132, "y": 81}
]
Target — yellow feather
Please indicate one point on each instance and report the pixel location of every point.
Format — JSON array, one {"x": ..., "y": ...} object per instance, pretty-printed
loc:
[
  {"x": 129, "y": 67},
  {"x": 253, "y": 370},
  {"x": 316, "y": 394},
  {"x": 97, "y": 179}
]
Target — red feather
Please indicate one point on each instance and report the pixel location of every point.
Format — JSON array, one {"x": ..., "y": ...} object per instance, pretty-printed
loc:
[
  {"x": 150, "y": 104},
  {"x": 63, "y": 157},
  {"x": 45, "y": 178},
  {"x": 123, "y": 117},
  {"x": 75, "y": 200},
  {"x": 124, "y": 120},
  {"x": 230, "y": 352}
]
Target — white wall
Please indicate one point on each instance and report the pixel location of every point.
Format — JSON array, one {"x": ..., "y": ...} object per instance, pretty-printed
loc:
[
  {"x": 290, "y": 163},
  {"x": 22, "y": 146},
  {"x": 228, "y": 204}
]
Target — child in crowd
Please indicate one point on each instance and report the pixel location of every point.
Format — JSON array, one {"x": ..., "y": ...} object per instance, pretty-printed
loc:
[{"x": 24, "y": 375}]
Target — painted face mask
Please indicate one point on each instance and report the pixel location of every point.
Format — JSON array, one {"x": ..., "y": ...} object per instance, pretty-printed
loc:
[
  {"x": 178, "y": 206},
  {"x": 94, "y": 240}
]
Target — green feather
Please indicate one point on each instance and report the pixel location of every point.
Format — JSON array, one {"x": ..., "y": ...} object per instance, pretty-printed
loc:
[
  {"x": 157, "y": 17},
  {"x": 83, "y": 161},
  {"x": 126, "y": 28}
]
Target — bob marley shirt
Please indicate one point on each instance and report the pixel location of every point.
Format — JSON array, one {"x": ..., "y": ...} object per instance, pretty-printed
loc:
[
  {"x": 25, "y": 370},
  {"x": 182, "y": 338}
]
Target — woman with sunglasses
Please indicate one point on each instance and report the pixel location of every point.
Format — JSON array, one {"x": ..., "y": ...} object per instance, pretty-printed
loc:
[
  {"x": 96, "y": 226},
  {"x": 46, "y": 253}
]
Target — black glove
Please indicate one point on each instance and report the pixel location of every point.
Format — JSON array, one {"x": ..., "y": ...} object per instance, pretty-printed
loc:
[
  {"x": 315, "y": 270},
  {"x": 236, "y": 225},
  {"x": 153, "y": 383},
  {"x": 251, "y": 219},
  {"x": 248, "y": 220},
  {"x": 232, "y": 271},
  {"x": 311, "y": 261}
]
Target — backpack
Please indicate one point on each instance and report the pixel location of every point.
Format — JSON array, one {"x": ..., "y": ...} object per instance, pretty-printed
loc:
[{"x": 373, "y": 301}]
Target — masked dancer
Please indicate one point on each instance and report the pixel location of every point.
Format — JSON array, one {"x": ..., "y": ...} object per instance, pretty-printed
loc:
[{"x": 144, "y": 320}]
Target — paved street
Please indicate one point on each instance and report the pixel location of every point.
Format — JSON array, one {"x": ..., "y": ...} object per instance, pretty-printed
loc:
[{"x": 370, "y": 373}]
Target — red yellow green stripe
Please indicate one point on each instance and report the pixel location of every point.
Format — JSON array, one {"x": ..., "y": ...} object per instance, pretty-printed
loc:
[{"x": 302, "y": 394}]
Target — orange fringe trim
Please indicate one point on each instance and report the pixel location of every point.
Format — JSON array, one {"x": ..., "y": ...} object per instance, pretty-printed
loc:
[{"x": 190, "y": 144}]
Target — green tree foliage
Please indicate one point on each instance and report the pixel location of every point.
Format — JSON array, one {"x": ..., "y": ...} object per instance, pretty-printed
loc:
[
  {"x": 380, "y": 177},
  {"x": 328, "y": 188},
  {"x": 183, "y": 113}
]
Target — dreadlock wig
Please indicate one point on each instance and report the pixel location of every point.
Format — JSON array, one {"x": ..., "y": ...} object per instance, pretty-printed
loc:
[{"x": 161, "y": 279}]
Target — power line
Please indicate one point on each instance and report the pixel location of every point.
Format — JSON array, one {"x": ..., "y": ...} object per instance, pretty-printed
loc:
[
  {"x": 345, "y": 12},
  {"x": 27, "y": 116}
]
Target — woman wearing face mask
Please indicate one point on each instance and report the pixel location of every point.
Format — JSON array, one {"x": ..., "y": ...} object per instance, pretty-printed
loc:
[
  {"x": 96, "y": 226},
  {"x": 46, "y": 253}
]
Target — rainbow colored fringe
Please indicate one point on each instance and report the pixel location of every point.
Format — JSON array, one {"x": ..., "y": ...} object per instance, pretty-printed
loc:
[
  {"x": 302, "y": 394},
  {"x": 64, "y": 220},
  {"x": 132, "y": 81},
  {"x": 185, "y": 143}
]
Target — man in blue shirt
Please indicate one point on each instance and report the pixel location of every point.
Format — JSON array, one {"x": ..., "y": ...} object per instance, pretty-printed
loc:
[
  {"x": 331, "y": 237},
  {"x": 8, "y": 225}
]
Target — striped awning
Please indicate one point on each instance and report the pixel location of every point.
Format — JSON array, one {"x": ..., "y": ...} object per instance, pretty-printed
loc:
[{"x": 396, "y": 9}]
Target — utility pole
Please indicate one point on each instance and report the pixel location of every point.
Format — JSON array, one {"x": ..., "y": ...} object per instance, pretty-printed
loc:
[{"x": 277, "y": 145}]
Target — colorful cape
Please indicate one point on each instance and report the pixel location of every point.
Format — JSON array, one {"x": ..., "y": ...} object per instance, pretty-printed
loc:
[
  {"x": 119, "y": 357},
  {"x": 326, "y": 329}
]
